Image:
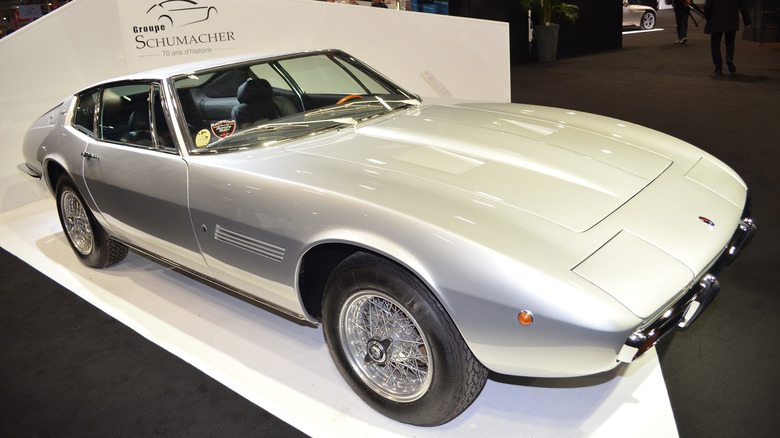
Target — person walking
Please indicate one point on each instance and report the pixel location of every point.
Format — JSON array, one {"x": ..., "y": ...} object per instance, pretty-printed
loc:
[
  {"x": 681, "y": 19},
  {"x": 722, "y": 23}
]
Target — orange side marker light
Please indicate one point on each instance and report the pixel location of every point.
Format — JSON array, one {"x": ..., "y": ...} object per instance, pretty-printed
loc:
[{"x": 525, "y": 317}]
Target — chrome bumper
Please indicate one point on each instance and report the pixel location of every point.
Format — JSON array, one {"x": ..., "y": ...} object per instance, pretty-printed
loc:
[
  {"x": 683, "y": 312},
  {"x": 27, "y": 170}
]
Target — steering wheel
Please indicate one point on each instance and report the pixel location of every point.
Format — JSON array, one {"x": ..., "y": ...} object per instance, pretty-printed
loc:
[{"x": 348, "y": 97}]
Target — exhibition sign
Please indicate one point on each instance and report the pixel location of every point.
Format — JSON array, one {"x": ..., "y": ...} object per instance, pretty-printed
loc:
[{"x": 178, "y": 29}]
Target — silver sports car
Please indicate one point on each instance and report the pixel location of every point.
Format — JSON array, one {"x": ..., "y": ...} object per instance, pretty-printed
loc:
[{"x": 434, "y": 241}]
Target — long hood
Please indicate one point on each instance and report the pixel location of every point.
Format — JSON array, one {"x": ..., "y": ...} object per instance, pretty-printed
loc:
[{"x": 554, "y": 169}]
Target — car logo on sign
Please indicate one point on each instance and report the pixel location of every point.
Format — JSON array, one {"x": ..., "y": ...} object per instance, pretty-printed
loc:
[
  {"x": 707, "y": 221},
  {"x": 183, "y": 12}
]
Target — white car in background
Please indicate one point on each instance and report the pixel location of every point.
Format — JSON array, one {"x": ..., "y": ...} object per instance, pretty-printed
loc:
[{"x": 638, "y": 15}]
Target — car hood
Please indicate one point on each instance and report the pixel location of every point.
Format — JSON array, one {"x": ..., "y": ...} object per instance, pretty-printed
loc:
[{"x": 539, "y": 160}]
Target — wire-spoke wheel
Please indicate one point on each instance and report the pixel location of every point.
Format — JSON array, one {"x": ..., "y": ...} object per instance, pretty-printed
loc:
[
  {"x": 85, "y": 235},
  {"x": 385, "y": 346},
  {"x": 395, "y": 345},
  {"x": 76, "y": 222}
]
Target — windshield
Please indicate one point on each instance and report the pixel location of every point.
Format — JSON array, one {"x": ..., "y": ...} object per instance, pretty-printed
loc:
[{"x": 270, "y": 101}]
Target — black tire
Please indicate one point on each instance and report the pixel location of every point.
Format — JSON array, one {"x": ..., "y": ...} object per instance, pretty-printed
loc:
[
  {"x": 648, "y": 20},
  {"x": 414, "y": 366},
  {"x": 87, "y": 238}
]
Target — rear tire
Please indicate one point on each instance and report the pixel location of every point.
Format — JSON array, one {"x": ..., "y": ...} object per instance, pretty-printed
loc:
[
  {"x": 395, "y": 345},
  {"x": 87, "y": 238}
]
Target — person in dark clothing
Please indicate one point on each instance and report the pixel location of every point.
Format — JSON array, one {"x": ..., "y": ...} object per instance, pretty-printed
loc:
[
  {"x": 378, "y": 4},
  {"x": 681, "y": 20},
  {"x": 723, "y": 21}
]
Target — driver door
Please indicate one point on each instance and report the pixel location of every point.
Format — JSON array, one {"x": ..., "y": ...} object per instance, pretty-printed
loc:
[{"x": 136, "y": 176}]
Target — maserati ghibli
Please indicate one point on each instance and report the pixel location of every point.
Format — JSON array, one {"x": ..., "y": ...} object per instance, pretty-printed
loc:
[{"x": 434, "y": 241}]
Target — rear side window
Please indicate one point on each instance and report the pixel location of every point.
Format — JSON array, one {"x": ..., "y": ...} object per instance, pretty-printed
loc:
[{"x": 84, "y": 117}]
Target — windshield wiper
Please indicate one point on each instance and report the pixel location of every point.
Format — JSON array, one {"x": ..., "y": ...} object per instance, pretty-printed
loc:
[
  {"x": 281, "y": 126},
  {"x": 351, "y": 107},
  {"x": 358, "y": 106}
]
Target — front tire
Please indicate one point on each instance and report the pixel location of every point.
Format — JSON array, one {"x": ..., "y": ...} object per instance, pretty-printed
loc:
[
  {"x": 647, "y": 21},
  {"x": 87, "y": 238},
  {"x": 395, "y": 345}
]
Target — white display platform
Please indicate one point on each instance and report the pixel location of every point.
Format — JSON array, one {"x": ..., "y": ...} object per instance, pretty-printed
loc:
[{"x": 285, "y": 367}]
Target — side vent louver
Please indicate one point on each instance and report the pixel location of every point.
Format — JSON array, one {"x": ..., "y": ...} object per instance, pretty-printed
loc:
[{"x": 248, "y": 243}]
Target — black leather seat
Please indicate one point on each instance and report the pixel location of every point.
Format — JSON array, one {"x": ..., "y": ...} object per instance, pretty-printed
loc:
[
  {"x": 256, "y": 104},
  {"x": 140, "y": 129}
]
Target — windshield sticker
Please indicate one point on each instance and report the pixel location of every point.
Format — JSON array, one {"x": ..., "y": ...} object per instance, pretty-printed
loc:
[
  {"x": 203, "y": 138},
  {"x": 224, "y": 128}
]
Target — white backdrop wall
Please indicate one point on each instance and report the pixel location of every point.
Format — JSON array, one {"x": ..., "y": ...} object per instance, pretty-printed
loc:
[
  {"x": 90, "y": 40},
  {"x": 469, "y": 57}
]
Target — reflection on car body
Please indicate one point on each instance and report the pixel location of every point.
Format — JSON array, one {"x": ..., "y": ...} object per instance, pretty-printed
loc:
[{"x": 433, "y": 241}]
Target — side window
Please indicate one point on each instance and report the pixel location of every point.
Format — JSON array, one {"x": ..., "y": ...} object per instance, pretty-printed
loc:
[
  {"x": 372, "y": 85},
  {"x": 225, "y": 84},
  {"x": 133, "y": 114},
  {"x": 84, "y": 117},
  {"x": 124, "y": 114},
  {"x": 320, "y": 75},
  {"x": 265, "y": 71}
]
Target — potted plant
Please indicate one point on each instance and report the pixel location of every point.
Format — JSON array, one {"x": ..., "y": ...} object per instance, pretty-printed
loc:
[{"x": 545, "y": 31}]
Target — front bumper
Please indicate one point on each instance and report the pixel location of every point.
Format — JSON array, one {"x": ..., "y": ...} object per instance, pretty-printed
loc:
[{"x": 685, "y": 310}]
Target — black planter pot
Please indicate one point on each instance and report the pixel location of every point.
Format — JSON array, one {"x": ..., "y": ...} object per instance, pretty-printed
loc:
[{"x": 547, "y": 42}]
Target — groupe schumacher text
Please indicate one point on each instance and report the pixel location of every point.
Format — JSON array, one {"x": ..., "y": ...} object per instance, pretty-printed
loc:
[{"x": 204, "y": 38}]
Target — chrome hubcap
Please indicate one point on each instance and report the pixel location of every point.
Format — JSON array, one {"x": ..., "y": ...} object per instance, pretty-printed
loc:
[
  {"x": 76, "y": 222},
  {"x": 385, "y": 346},
  {"x": 376, "y": 351}
]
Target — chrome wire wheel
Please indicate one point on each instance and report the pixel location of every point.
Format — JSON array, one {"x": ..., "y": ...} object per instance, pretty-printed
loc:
[
  {"x": 76, "y": 222},
  {"x": 395, "y": 344},
  {"x": 85, "y": 235},
  {"x": 385, "y": 346}
]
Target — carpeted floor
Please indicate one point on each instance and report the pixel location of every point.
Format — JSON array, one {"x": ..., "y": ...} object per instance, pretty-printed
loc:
[{"x": 67, "y": 369}]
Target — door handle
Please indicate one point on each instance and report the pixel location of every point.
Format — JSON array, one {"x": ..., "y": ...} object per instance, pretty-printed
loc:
[{"x": 89, "y": 156}]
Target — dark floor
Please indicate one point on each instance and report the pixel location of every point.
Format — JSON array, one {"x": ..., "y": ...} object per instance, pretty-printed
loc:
[{"x": 67, "y": 369}]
